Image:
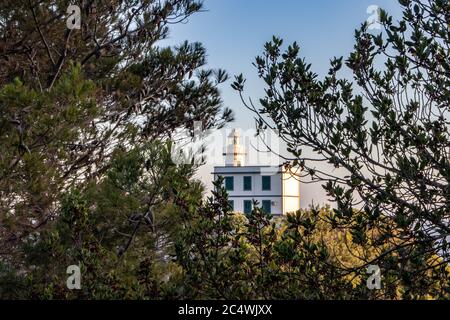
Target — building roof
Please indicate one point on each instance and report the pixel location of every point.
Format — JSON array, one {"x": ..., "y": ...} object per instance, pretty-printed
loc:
[{"x": 248, "y": 169}]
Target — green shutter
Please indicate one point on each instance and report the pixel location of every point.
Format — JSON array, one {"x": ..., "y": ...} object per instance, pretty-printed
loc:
[
  {"x": 247, "y": 183},
  {"x": 231, "y": 205},
  {"x": 229, "y": 183},
  {"x": 266, "y": 183},
  {"x": 247, "y": 206},
  {"x": 267, "y": 206}
]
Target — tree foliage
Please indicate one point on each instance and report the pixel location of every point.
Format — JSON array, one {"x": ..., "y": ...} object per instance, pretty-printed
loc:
[
  {"x": 88, "y": 119},
  {"x": 387, "y": 131},
  {"x": 70, "y": 99}
]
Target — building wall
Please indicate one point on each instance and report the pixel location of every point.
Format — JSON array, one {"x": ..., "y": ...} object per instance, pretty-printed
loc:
[
  {"x": 291, "y": 193},
  {"x": 239, "y": 203},
  {"x": 238, "y": 195}
]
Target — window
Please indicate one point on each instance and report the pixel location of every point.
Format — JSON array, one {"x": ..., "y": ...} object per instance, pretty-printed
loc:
[
  {"x": 231, "y": 205},
  {"x": 247, "y": 206},
  {"x": 267, "y": 206},
  {"x": 266, "y": 183},
  {"x": 229, "y": 183},
  {"x": 247, "y": 183}
]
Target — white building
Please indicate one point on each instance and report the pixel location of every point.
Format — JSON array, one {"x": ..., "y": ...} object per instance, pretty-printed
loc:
[{"x": 277, "y": 191}]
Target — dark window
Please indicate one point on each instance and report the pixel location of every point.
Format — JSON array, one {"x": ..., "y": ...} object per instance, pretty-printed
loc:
[
  {"x": 229, "y": 183},
  {"x": 247, "y": 206},
  {"x": 267, "y": 206},
  {"x": 247, "y": 183},
  {"x": 266, "y": 183},
  {"x": 231, "y": 205}
]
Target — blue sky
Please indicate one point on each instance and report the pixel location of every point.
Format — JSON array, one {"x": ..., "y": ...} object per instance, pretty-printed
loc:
[{"x": 234, "y": 32}]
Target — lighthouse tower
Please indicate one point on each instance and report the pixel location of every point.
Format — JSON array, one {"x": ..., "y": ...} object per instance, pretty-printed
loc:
[
  {"x": 275, "y": 189},
  {"x": 234, "y": 153}
]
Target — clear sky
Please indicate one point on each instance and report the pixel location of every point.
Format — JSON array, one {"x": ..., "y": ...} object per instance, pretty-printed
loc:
[{"x": 234, "y": 32}]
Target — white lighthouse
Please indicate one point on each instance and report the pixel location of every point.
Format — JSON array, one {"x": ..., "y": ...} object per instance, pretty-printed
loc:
[
  {"x": 235, "y": 153},
  {"x": 276, "y": 190}
]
